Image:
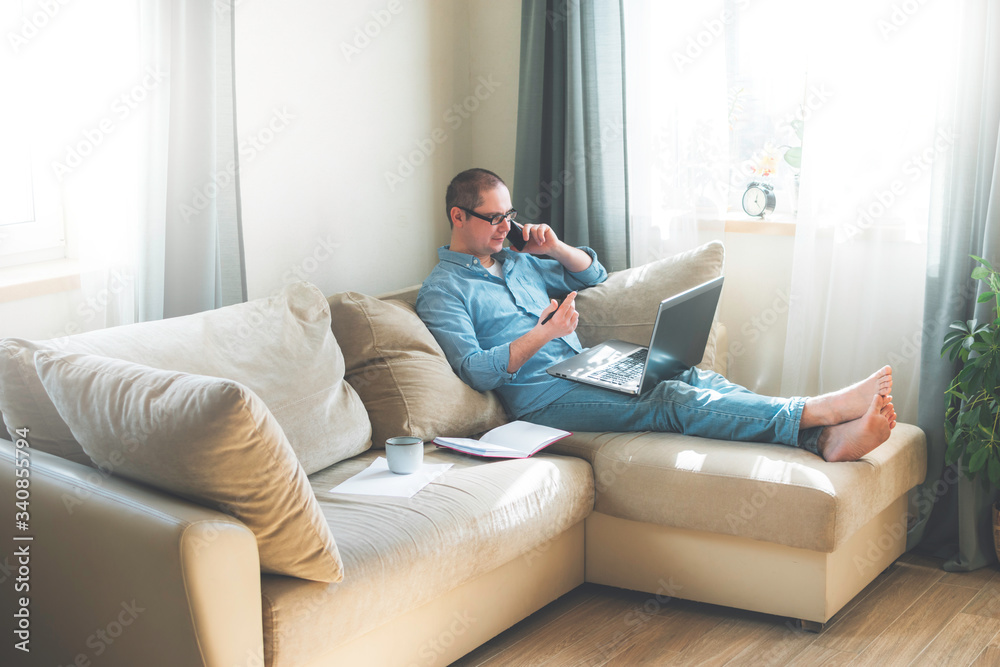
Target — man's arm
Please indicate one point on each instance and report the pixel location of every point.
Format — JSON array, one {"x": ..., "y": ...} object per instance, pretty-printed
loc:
[
  {"x": 563, "y": 323},
  {"x": 448, "y": 319},
  {"x": 541, "y": 240}
]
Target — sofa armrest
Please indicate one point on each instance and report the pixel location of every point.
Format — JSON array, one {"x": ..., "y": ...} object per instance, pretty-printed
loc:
[{"x": 119, "y": 573}]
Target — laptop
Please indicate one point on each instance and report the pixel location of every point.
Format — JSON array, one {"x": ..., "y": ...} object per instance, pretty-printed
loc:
[{"x": 680, "y": 334}]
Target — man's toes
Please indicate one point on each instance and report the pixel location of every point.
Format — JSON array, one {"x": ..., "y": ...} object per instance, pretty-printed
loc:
[{"x": 885, "y": 380}]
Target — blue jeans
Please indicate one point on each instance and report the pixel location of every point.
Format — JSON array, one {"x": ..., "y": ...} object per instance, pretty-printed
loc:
[{"x": 695, "y": 402}]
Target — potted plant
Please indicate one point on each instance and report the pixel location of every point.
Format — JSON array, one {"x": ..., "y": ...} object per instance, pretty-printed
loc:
[{"x": 972, "y": 414}]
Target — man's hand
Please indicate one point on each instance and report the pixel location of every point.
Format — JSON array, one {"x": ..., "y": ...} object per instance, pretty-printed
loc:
[
  {"x": 564, "y": 320},
  {"x": 542, "y": 240},
  {"x": 564, "y": 317},
  {"x": 539, "y": 239}
]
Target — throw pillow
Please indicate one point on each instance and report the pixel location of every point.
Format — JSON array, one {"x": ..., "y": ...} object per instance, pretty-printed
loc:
[
  {"x": 402, "y": 375},
  {"x": 281, "y": 347},
  {"x": 624, "y": 306},
  {"x": 210, "y": 440}
]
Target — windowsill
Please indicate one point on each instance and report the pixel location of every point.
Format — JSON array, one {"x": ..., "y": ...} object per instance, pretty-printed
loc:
[
  {"x": 765, "y": 227},
  {"x": 770, "y": 226},
  {"x": 38, "y": 279}
]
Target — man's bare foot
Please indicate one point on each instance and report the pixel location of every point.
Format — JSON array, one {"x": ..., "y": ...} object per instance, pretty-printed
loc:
[
  {"x": 889, "y": 412},
  {"x": 851, "y": 440},
  {"x": 847, "y": 404}
]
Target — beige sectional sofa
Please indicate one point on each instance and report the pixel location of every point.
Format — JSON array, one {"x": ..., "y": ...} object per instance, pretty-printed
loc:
[{"x": 181, "y": 511}]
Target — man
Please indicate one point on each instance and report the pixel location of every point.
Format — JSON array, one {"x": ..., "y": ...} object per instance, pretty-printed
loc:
[{"x": 487, "y": 307}]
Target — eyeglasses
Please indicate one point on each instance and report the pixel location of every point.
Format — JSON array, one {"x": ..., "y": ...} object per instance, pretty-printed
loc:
[{"x": 495, "y": 220}]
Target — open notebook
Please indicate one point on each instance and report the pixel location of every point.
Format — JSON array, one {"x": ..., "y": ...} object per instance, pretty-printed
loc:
[{"x": 515, "y": 440}]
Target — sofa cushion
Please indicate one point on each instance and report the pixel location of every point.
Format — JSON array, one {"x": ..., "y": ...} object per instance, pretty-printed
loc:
[
  {"x": 624, "y": 305},
  {"x": 402, "y": 375},
  {"x": 210, "y": 440},
  {"x": 281, "y": 347},
  {"x": 763, "y": 492},
  {"x": 400, "y": 553}
]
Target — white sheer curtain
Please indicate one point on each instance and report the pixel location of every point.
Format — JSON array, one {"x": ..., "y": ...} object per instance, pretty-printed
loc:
[
  {"x": 190, "y": 235},
  {"x": 861, "y": 241},
  {"x": 721, "y": 91}
]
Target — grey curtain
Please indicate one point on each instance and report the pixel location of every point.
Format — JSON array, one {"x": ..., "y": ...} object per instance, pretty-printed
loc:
[
  {"x": 952, "y": 514},
  {"x": 570, "y": 162}
]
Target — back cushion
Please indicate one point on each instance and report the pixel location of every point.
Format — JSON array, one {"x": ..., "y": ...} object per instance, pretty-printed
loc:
[
  {"x": 624, "y": 306},
  {"x": 280, "y": 347},
  {"x": 402, "y": 375}
]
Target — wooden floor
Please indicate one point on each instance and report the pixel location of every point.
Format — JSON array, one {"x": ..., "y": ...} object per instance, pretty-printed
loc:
[{"x": 914, "y": 613}]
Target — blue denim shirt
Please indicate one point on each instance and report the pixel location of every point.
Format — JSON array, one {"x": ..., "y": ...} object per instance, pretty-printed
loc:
[{"x": 475, "y": 316}]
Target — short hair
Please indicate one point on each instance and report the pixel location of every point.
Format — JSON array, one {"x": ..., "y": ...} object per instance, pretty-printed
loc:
[{"x": 466, "y": 189}]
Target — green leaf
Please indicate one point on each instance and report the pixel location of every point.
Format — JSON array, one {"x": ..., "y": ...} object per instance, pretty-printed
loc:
[
  {"x": 793, "y": 156},
  {"x": 986, "y": 296},
  {"x": 982, "y": 261},
  {"x": 978, "y": 460},
  {"x": 980, "y": 273},
  {"x": 994, "y": 471}
]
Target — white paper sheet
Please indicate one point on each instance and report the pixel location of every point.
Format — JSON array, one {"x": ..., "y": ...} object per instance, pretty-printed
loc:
[{"x": 378, "y": 480}]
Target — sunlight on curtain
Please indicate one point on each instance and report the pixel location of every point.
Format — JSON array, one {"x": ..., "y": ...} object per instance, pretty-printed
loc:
[
  {"x": 861, "y": 242},
  {"x": 831, "y": 104}
]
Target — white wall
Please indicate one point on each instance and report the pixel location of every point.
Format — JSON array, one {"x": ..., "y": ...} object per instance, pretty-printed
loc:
[
  {"x": 754, "y": 308},
  {"x": 382, "y": 102}
]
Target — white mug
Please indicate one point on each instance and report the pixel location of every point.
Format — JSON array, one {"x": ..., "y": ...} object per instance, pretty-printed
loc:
[{"x": 404, "y": 454}]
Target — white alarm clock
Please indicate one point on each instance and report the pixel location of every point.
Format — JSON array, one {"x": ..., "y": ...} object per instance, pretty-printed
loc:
[{"x": 758, "y": 200}]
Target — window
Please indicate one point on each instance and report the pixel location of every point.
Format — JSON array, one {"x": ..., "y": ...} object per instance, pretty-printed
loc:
[
  {"x": 68, "y": 79},
  {"x": 731, "y": 91}
]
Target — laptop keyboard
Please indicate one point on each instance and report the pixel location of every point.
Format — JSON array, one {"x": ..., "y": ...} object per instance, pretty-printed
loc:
[{"x": 626, "y": 370}]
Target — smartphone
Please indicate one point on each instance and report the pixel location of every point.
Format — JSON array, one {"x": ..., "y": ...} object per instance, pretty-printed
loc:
[{"x": 516, "y": 235}]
